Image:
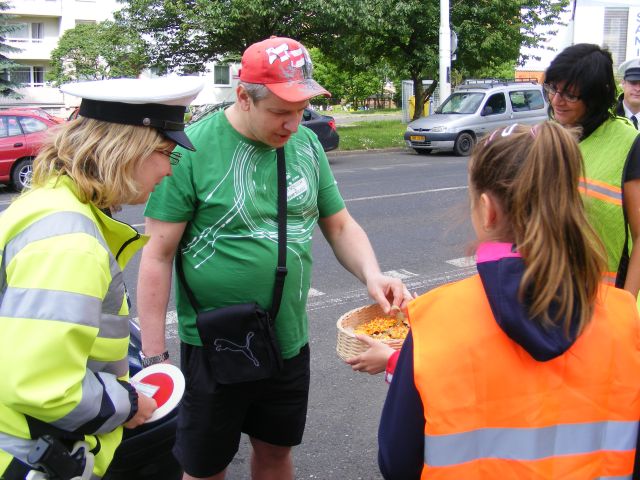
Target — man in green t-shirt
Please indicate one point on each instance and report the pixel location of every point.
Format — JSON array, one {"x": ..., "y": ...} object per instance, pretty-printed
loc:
[{"x": 220, "y": 210}]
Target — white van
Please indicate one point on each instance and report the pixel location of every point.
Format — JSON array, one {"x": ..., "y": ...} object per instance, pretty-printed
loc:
[{"x": 475, "y": 108}]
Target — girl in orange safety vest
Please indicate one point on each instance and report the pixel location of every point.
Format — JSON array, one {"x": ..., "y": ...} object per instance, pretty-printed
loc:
[{"x": 530, "y": 368}]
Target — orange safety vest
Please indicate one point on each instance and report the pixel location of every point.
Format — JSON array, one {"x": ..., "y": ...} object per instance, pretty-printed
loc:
[{"x": 493, "y": 412}]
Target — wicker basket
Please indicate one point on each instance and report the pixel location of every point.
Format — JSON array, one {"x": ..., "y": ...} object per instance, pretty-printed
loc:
[{"x": 348, "y": 345}]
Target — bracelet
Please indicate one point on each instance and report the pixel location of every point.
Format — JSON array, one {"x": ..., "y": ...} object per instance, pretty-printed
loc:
[{"x": 148, "y": 361}]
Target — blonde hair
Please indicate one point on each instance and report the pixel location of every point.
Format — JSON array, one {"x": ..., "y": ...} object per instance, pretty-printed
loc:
[
  {"x": 100, "y": 157},
  {"x": 533, "y": 173}
]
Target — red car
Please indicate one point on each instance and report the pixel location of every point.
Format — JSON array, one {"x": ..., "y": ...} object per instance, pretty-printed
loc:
[{"x": 22, "y": 131}]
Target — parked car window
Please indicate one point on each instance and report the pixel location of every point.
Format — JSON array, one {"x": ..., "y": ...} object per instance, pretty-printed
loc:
[
  {"x": 524, "y": 100},
  {"x": 10, "y": 127},
  {"x": 462, "y": 102},
  {"x": 31, "y": 125},
  {"x": 307, "y": 115}
]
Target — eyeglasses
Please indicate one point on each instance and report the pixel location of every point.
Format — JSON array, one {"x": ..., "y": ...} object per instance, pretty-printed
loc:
[
  {"x": 551, "y": 91},
  {"x": 174, "y": 157}
]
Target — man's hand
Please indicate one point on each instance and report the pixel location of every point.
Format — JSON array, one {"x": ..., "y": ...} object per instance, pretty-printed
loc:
[{"x": 389, "y": 291}]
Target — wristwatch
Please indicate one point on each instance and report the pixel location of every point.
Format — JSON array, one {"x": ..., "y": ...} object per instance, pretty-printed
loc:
[{"x": 148, "y": 361}]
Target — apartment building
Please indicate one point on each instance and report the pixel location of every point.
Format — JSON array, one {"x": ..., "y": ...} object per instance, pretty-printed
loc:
[
  {"x": 41, "y": 23},
  {"x": 39, "y": 26},
  {"x": 612, "y": 24}
]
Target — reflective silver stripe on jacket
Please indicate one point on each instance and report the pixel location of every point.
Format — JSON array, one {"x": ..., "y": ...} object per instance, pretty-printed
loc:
[
  {"x": 66, "y": 223},
  {"x": 57, "y": 305},
  {"x": 56, "y": 224},
  {"x": 15, "y": 446},
  {"x": 118, "y": 368},
  {"x": 528, "y": 444},
  {"x": 89, "y": 406},
  {"x": 63, "y": 223}
]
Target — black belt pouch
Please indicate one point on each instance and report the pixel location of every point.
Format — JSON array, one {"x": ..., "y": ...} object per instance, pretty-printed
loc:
[{"x": 240, "y": 342}]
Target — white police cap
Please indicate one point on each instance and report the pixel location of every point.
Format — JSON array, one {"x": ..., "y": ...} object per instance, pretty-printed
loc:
[
  {"x": 151, "y": 102},
  {"x": 630, "y": 70}
]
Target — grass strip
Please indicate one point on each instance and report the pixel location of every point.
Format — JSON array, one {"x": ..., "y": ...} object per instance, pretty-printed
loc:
[{"x": 372, "y": 135}]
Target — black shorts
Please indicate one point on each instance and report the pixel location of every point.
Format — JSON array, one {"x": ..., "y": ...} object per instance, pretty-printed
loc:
[{"x": 212, "y": 416}]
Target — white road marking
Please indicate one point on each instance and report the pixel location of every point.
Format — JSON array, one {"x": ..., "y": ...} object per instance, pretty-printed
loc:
[
  {"x": 418, "y": 284},
  {"x": 405, "y": 194},
  {"x": 462, "y": 262},
  {"x": 401, "y": 274},
  {"x": 315, "y": 293}
]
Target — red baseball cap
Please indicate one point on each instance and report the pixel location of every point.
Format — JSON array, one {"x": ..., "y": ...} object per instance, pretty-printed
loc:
[{"x": 283, "y": 66}]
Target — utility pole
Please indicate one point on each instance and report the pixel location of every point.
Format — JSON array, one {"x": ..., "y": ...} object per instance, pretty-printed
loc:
[{"x": 444, "y": 81}]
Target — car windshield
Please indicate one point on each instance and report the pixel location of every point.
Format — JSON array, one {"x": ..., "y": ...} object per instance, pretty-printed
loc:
[{"x": 461, "y": 102}]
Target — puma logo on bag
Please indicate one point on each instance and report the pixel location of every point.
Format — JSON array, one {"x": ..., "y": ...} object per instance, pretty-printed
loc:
[{"x": 222, "y": 344}]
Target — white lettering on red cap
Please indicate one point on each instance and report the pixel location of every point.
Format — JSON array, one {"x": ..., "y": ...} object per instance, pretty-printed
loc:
[{"x": 283, "y": 54}]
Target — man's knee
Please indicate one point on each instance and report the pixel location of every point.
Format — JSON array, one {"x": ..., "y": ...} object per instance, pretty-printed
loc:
[{"x": 267, "y": 452}]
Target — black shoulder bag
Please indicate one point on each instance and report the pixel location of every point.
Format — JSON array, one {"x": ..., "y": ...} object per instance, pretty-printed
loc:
[{"x": 240, "y": 339}]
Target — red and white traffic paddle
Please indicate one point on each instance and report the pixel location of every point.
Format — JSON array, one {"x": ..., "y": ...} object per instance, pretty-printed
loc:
[{"x": 164, "y": 383}]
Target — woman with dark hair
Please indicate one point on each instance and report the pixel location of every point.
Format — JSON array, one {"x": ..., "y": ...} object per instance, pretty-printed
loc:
[{"x": 582, "y": 93}]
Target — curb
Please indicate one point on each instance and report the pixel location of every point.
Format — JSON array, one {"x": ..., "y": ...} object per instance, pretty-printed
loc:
[{"x": 346, "y": 153}]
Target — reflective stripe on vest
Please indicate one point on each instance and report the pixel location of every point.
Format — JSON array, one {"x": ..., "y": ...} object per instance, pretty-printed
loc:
[
  {"x": 66, "y": 223},
  {"x": 492, "y": 411},
  {"x": 529, "y": 443},
  {"x": 600, "y": 190}
]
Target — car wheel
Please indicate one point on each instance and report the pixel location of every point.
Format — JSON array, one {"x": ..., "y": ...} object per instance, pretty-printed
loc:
[
  {"x": 21, "y": 174},
  {"x": 464, "y": 144},
  {"x": 423, "y": 151}
]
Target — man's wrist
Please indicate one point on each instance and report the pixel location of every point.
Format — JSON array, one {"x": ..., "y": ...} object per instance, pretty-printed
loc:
[{"x": 147, "y": 361}]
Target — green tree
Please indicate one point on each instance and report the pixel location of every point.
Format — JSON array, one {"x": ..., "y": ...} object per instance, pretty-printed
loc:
[
  {"x": 7, "y": 87},
  {"x": 406, "y": 33},
  {"x": 352, "y": 87},
  {"x": 186, "y": 34},
  {"x": 95, "y": 51},
  {"x": 355, "y": 35}
]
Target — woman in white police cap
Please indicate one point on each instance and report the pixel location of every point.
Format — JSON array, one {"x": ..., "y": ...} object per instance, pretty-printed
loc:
[{"x": 64, "y": 330}]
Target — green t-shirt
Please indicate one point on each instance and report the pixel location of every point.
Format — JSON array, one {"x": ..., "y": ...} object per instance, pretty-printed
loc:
[{"x": 227, "y": 192}]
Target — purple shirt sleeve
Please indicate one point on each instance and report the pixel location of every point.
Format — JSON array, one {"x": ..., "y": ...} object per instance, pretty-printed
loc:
[{"x": 401, "y": 432}]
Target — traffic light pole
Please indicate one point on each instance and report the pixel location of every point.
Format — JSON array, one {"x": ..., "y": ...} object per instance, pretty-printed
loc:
[{"x": 444, "y": 80}]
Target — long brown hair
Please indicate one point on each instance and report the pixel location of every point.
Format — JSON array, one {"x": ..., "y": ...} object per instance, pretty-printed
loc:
[{"x": 533, "y": 174}]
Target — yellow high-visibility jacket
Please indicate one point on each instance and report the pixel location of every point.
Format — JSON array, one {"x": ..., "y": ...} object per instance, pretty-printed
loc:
[{"x": 64, "y": 330}]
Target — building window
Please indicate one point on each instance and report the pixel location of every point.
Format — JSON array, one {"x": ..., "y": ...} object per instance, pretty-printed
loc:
[
  {"x": 26, "y": 32},
  {"x": 616, "y": 21},
  {"x": 26, "y": 76},
  {"x": 37, "y": 32},
  {"x": 221, "y": 75},
  {"x": 20, "y": 32}
]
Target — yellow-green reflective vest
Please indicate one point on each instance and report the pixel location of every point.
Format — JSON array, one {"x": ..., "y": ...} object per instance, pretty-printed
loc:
[
  {"x": 605, "y": 153},
  {"x": 64, "y": 329}
]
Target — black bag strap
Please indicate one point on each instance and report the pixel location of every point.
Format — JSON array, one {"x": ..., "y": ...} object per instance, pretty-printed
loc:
[{"x": 281, "y": 269}]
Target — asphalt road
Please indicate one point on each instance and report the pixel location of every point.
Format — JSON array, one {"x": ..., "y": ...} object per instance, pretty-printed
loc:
[{"x": 414, "y": 209}]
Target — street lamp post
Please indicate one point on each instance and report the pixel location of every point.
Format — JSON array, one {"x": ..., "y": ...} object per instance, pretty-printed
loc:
[{"x": 444, "y": 81}]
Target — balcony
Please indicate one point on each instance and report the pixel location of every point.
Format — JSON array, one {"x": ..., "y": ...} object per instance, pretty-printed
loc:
[
  {"x": 32, "y": 49},
  {"x": 45, "y": 95},
  {"x": 38, "y": 8}
]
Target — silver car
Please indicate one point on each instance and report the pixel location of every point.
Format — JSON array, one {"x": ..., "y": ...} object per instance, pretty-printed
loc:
[{"x": 474, "y": 109}]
